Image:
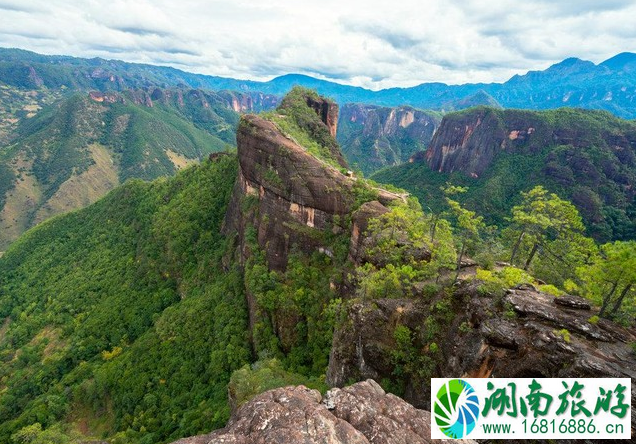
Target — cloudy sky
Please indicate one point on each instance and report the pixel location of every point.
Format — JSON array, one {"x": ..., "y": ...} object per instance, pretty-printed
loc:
[{"x": 369, "y": 43}]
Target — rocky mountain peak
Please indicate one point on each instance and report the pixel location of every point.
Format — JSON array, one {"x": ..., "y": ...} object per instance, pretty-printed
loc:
[{"x": 291, "y": 189}]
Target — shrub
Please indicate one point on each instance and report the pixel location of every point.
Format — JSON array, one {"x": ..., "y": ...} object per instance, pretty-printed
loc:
[
  {"x": 565, "y": 334},
  {"x": 551, "y": 289}
]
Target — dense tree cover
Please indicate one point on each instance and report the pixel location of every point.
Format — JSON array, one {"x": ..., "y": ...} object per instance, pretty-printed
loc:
[
  {"x": 120, "y": 315},
  {"x": 609, "y": 279},
  {"x": 544, "y": 240},
  {"x": 130, "y": 319},
  {"x": 468, "y": 224},
  {"x": 549, "y": 230},
  {"x": 407, "y": 246},
  {"x": 298, "y": 307}
]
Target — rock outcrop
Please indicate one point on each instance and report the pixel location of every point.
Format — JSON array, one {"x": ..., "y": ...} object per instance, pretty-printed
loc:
[
  {"x": 293, "y": 192},
  {"x": 327, "y": 111},
  {"x": 526, "y": 334},
  {"x": 285, "y": 198},
  {"x": 360, "y": 414}
]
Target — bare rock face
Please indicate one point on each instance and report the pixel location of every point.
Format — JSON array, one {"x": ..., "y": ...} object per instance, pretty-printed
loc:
[
  {"x": 469, "y": 141},
  {"x": 534, "y": 342},
  {"x": 360, "y": 414},
  {"x": 327, "y": 111},
  {"x": 467, "y": 144},
  {"x": 295, "y": 193}
]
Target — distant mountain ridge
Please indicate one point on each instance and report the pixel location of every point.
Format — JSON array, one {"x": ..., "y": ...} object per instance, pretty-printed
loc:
[{"x": 610, "y": 85}]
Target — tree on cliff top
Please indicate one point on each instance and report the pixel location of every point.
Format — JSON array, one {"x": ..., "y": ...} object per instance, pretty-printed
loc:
[{"x": 468, "y": 224}]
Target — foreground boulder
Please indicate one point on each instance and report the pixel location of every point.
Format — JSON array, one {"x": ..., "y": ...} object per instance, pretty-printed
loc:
[{"x": 360, "y": 414}]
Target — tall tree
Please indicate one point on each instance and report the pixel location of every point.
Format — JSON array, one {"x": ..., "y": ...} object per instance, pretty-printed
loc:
[
  {"x": 610, "y": 278},
  {"x": 469, "y": 225},
  {"x": 545, "y": 223}
]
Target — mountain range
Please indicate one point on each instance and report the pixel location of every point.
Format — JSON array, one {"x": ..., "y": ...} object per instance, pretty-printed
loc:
[{"x": 610, "y": 85}]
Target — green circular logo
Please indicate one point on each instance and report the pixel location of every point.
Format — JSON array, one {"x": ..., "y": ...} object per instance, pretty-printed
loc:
[{"x": 456, "y": 408}]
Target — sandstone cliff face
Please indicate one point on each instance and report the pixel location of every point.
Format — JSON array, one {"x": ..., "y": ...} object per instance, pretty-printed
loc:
[
  {"x": 327, "y": 111},
  {"x": 469, "y": 141},
  {"x": 293, "y": 192},
  {"x": 360, "y": 414},
  {"x": 374, "y": 137}
]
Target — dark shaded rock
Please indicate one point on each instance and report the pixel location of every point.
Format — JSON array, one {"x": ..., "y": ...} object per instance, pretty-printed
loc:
[
  {"x": 360, "y": 414},
  {"x": 500, "y": 333},
  {"x": 575, "y": 302},
  {"x": 526, "y": 286},
  {"x": 362, "y": 346}
]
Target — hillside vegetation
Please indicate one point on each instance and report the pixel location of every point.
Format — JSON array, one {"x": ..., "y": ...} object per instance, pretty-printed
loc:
[
  {"x": 72, "y": 152},
  {"x": 120, "y": 316}
]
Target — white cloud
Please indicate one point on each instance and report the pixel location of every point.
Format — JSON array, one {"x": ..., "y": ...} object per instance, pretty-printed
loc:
[{"x": 367, "y": 43}]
